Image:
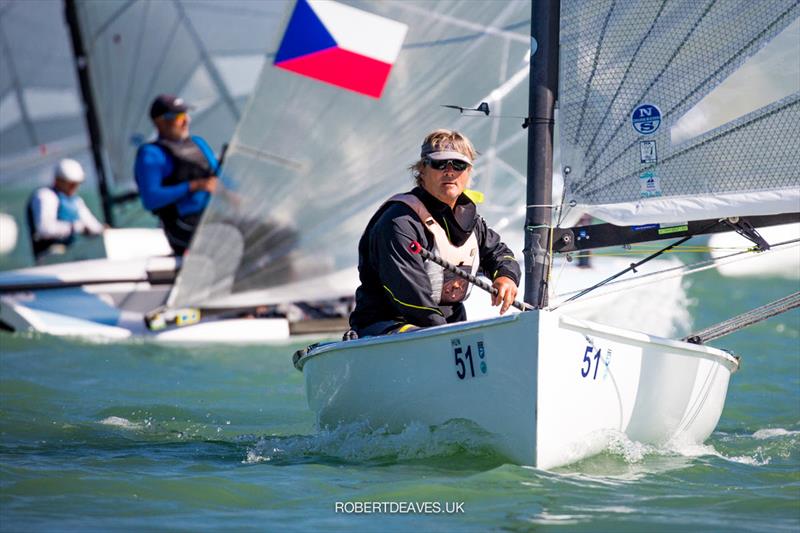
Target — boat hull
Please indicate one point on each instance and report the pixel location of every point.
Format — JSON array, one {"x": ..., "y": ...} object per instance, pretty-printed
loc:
[
  {"x": 552, "y": 390},
  {"x": 104, "y": 299}
]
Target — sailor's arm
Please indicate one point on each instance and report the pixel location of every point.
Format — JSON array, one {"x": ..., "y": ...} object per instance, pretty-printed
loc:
[
  {"x": 44, "y": 205},
  {"x": 150, "y": 170},
  {"x": 402, "y": 273},
  {"x": 91, "y": 225}
]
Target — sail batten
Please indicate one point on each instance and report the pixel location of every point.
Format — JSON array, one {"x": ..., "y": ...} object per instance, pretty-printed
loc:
[{"x": 630, "y": 73}]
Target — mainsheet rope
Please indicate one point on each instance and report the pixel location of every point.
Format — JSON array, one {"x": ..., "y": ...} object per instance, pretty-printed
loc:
[
  {"x": 674, "y": 272},
  {"x": 745, "y": 319}
]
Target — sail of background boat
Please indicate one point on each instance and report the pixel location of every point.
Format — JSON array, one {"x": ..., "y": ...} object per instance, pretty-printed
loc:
[
  {"x": 306, "y": 197},
  {"x": 209, "y": 53},
  {"x": 312, "y": 160},
  {"x": 40, "y": 110}
]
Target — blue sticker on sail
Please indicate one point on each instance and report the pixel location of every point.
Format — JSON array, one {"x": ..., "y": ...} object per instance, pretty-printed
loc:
[{"x": 646, "y": 119}]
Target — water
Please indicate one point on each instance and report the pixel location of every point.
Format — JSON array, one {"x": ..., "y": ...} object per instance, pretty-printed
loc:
[{"x": 138, "y": 436}]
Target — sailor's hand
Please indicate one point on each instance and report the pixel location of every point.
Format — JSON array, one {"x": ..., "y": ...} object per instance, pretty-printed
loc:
[
  {"x": 208, "y": 184},
  {"x": 211, "y": 184},
  {"x": 506, "y": 293}
]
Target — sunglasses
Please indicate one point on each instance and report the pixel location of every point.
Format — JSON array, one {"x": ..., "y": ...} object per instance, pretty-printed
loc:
[
  {"x": 175, "y": 116},
  {"x": 441, "y": 164}
]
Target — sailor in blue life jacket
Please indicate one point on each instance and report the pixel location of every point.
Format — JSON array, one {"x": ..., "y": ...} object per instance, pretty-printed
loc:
[
  {"x": 399, "y": 289},
  {"x": 175, "y": 173},
  {"x": 56, "y": 214}
]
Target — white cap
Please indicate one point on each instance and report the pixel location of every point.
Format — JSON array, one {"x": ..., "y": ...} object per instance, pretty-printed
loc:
[{"x": 69, "y": 170}]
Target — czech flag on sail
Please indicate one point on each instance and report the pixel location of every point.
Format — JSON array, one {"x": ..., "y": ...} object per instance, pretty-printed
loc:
[{"x": 341, "y": 45}]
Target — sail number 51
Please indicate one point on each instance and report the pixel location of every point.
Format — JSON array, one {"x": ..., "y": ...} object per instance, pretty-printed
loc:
[
  {"x": 588, "y": 359},
  {"x": 469, "y": 356}
]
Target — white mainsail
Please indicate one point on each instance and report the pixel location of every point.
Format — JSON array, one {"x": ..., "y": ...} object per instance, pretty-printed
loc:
[
  {"x": 313, "y": 161},
  {"x": 210, "y": 53},
  {"x": 678, "y": 111},
  {"x": 41, "y": 118}
]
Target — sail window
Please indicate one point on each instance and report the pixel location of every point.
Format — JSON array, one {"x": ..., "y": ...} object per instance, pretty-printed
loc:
[{"x": 770, "y": 75}]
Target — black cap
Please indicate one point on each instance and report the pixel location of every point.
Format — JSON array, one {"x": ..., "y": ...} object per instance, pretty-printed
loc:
[{"x": 167, "y": 103}]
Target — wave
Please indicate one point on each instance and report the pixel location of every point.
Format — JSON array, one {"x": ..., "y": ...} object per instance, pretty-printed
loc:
[{"x": 359, "y": 442}]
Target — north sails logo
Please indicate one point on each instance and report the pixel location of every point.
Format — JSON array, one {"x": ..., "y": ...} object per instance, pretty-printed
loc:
[{"x": 646, "y": 119}]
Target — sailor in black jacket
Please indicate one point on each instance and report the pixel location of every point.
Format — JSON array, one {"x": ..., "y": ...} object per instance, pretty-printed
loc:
[{"x": 399, "y": 290}]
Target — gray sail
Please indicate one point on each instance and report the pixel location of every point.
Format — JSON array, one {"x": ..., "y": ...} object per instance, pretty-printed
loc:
[
  {"x": 312, "y": 161},
  {"x": 41, "y": 117},
  {"x": 210, "y": 53},
  {"x": 672, "y": 111}
]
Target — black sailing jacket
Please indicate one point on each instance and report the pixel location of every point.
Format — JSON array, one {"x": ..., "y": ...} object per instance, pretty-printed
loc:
[{"x": 395, "y": 289}]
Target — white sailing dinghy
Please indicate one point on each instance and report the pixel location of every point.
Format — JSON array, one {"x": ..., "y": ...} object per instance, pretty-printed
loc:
[
  {"x": 551, "y": 388},
  {"x": 125, "y": 53}
]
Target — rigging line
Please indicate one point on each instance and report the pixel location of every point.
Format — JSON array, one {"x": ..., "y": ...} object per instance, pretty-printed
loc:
[
  {"x": 472, "y": 113},
  {"x": 173, "y": 34},
  {"x": 494, "y": 130},
  {"x": 743, "y": 320},
  {"x": 549, "y": 254},
  {"x": 639, "y": 263},
  {"x": 628, "y": 69},
  {"x": 709, "y": 79},
  {"x": 674, "y": 55},
  {"x": 673, "y": 272},
  {"x": 595, "y": 62},
  {"x": 205, "y": 56},
  {"x": 790, "y": 101},
  {"x": 27, "y": 121},
  {"x": 479, "y": 29},
  {"x": 128, "y": 109},
  {"x": 230, "y": 10},
  {"x": 111, "y": 19}
]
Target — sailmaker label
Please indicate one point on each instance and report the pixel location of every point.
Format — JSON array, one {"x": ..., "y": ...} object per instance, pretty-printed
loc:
[
  {"x": 646, "y": 119},
  {"x": 649, "y": 184}
]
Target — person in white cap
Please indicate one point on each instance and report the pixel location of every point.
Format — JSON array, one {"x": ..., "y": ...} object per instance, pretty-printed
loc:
[
  {"x": 56, "y": 214},
  {"x": 399, "y": 289}
]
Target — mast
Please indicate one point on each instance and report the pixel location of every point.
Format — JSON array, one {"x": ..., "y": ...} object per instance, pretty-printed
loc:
[
  {"x": 82, "y": 68},
  {"x": 542, "y": 95}
]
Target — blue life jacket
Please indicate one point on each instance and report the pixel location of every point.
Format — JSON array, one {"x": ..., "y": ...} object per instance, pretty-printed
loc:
[
  {"x": 67, "y": 207},
  {"x": 67, "y": 211}
]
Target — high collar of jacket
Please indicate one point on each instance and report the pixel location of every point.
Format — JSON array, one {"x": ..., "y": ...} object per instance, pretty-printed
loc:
[{"x": 458, "y": 222}]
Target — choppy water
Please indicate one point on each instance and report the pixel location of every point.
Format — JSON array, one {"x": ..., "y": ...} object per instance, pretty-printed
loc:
[{"x": 140, "y": 436}]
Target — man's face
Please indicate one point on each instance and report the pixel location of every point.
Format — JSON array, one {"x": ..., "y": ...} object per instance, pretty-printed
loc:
[
  {"x": 445, "y": 184},
  {"x": 67, "y": 187},
  {"x": 173, "y": 126}
]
